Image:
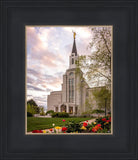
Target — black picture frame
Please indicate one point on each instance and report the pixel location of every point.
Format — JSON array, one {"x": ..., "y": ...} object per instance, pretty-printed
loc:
[{"x": 123, "y": 16}]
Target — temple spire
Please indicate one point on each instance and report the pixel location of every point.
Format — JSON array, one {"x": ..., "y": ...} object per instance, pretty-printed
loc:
[{"x": 74, "y": 49}]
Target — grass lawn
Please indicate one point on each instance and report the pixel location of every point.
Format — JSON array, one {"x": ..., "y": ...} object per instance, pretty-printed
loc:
[{"x": 35, "y": 123}]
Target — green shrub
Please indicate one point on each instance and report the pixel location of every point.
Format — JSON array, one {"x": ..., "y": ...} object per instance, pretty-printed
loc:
[
  {"x": 50, "y": 112},
  {"x": 63, "y": 114},
  {"x": 73, "y": 126},
  {"x": 97, "y": 111},
  {"x": 55, "y": 114},
  {"x": 109, "y": 112},
  {"x": 29, "y": 114},
  {"x": 42, "y": 113},
  {"x": 60, "y": 114}
]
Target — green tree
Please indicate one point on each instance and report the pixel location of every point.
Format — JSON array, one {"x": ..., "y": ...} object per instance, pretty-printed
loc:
[
  {"x": 88, "y": 105},
  {"x": 97, "y": 66},
  {"x": 30, "y": 109},
  {"x": 98, "y": 111},
  {"x": 32, "y": 102},
  {"x": 101, "y": 95},
  {"x": 42, "y": 113},
  {"x": 33, "y": 106}
]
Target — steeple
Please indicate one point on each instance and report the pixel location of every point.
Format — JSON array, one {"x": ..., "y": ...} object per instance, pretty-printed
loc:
[
  {"x": 74, "y": 49},
  {"x": 74, "y": 56}
]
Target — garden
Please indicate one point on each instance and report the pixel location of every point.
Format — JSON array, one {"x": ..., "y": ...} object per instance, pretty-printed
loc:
[{"x": 69, "y": 125}]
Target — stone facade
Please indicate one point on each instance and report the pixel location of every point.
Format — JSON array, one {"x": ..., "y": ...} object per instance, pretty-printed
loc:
[{"x": 75, "y": 90}]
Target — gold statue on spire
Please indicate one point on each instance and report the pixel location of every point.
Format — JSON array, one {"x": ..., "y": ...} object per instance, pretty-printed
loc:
[{"x": 74, "y": 34}]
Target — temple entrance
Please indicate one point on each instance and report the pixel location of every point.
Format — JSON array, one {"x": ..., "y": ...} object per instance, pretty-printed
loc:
[
  {"x": 70, "y": 110},
  {"x": 56, "y": 109},
  {"x": 63, "y": 108}
]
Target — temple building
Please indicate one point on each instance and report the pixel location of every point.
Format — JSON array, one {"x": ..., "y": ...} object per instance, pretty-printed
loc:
[{"x": 75, "y": 91}]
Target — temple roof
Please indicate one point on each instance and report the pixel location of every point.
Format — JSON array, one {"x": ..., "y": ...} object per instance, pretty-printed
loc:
[{"x": 74, "y": 49}]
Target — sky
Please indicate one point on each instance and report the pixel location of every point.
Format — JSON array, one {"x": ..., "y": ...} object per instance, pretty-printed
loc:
[{"x": 48, "y": 51}]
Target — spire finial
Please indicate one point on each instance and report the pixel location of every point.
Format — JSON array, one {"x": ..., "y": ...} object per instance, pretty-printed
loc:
[
  {"x": 74, "y": 34},
  {"x": 74, "y": 49}
]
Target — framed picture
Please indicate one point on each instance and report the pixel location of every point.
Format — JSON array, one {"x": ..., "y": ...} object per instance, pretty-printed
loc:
[
  {"x": 52, "y": 105},
  {"x": 69, "y": 92}
]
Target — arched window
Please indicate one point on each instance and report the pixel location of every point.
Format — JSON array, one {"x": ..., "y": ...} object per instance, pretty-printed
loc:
[
  {"x": 72, "y": 60},
  {"x": 71, "y": 90},
  {"x": 71, "y": 74}
]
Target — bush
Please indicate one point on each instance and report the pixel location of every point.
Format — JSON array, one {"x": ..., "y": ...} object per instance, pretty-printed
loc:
[
  {"x": 50, "y": 112},
  {"x": 60, "y": 114},
  {"x": 42, "y": 113},
  {"x": 104, "y": 124},
  {"x": 55, "y": 114},
  {"x": 29, "y": 114},
  {"x": 97, "y": 111},
  {"x": 73, "y": 126},
  {"x": 109, "y": 112},
  {"x": 63, "y": 114}
]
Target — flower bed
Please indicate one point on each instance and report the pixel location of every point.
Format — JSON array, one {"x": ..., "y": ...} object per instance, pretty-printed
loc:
[{"x": 100, "y": 125}]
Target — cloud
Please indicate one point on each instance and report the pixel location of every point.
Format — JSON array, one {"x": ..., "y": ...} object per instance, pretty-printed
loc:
[
  {"x": 31, "y": 87},
  {"x": 48, "y": 50}
]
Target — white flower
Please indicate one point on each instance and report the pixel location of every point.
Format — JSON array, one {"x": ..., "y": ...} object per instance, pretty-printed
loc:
[{"x": 53, "y": 124}]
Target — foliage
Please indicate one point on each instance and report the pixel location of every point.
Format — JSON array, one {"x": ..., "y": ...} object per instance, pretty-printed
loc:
[
  {"x": 32, "y": 102},
  {"x": 88, "y": 105},
  {"x": 102, "y": 95},
  {"x": 49, "y": 112},
  {"x": 73, "y": 126},
  {"x": 32, "y": 107},
  {"x": 42, "y": 113},
  {"x": 29, "y": 114},
  {"x": 60, "y": 114},
  {"x": 105, "y": 123},
  {"x": 97, "y": 111},
  {"x": 109, "y": 112},
  {"x": 69, "y": 125},
  {"x": 97, "y": 66},
  {"x": 36, "y": 123}
]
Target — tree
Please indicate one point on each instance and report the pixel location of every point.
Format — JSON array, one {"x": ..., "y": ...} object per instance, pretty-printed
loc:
[
  {"x": 42, "y": 113},
  {"x": 49, "y": 112},
  {"x": 98, "y": 111},
  {"x": 32, "y": 102},
  {"x": 34, "y": 107},
  {"x": 97, "y": 66},
  {"x": 88, "y": 105},
  {"x": 30, "y": 109},
  {"x": 101, "y": 95}
]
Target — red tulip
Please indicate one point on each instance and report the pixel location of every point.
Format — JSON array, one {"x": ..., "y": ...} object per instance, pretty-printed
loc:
[
  {"x": 37, "y": 131},
  {"x": 64, "y": 128},
  {"x": 107, "y": 120},
  {"x": 63, "y": 120},
  {"x": 40, "y": 131},
  {"x": 94, "y": 130},
  {"x": 85, "y": 124},
  {"x": 104, "y": 119},
  {"x": 99, "y": 125}
]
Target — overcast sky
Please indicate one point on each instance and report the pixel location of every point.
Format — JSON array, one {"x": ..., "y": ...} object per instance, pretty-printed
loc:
[{"x": 48, "y": 50}]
